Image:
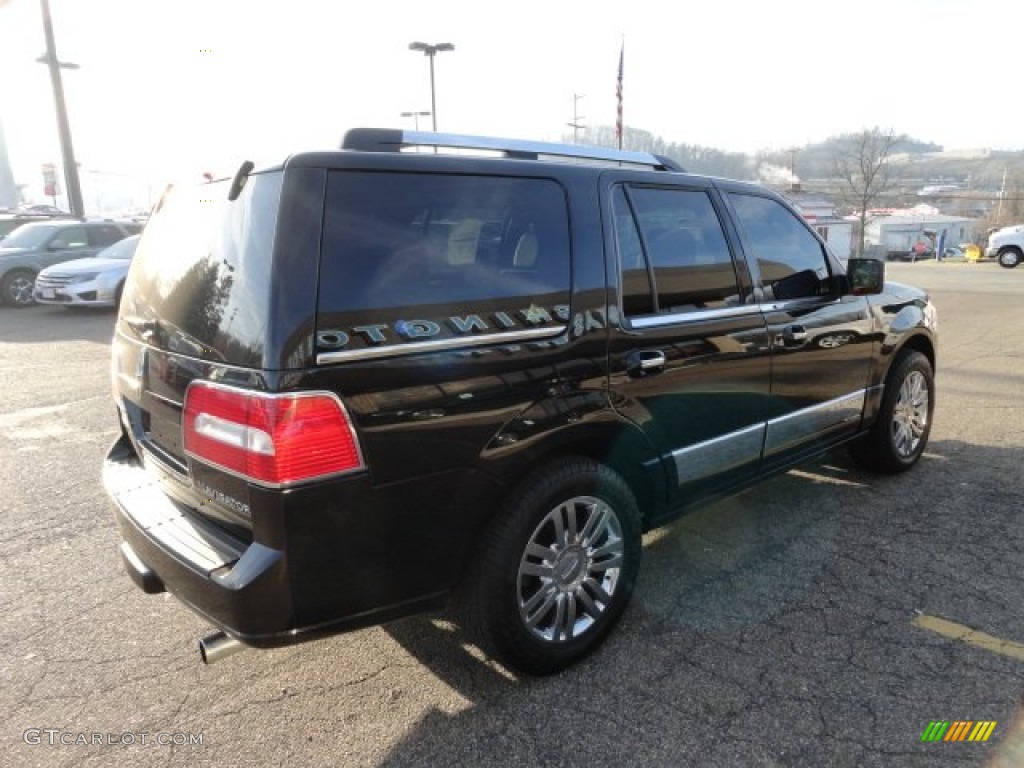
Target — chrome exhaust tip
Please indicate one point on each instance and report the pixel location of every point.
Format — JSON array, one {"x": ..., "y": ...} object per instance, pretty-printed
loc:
[{"x": 218, "y": 646}]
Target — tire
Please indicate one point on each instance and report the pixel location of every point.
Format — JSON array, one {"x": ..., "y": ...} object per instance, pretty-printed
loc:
[
  {"x": 900, "y": 433},
  {"x": 556, "y": 569},
  {"x": 16, "y": 288},
  {"x": 1009, "y": 257}
]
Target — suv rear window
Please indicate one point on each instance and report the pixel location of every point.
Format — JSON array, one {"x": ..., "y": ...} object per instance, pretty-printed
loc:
[
  {"x": 200, "y": 281},
  {"x": 460, "y": 244}
]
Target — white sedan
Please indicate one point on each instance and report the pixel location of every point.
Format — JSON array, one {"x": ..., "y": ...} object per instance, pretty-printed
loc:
[{"x": 95, "y": 281}]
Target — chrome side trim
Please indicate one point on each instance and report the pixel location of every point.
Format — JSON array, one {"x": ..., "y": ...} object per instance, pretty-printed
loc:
[
  {"x": 439, "y": 345},
  {"x": 654, "y": 321},
  {"x": 695, "y": 462},
  {"x": 786, "y": 431}
]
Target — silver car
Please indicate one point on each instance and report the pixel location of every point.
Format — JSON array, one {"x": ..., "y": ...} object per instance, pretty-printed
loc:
[
  {"x": 90, "y": 282},
  {"x": 33, "y": 247}
]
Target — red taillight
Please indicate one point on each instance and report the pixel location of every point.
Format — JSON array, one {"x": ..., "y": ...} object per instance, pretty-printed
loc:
[{"x": 273, "y": 439}]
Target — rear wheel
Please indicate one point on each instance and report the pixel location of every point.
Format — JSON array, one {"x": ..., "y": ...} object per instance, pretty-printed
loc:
[
  {"x": 900, "y": 434},
  {"x": 1010, "y": 257},
  {"x": 16, "y": 288},
  {"x": 556, "y": 569}
]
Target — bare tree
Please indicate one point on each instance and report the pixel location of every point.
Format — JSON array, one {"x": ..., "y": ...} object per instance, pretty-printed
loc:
[{"x": 861, "y": 165}]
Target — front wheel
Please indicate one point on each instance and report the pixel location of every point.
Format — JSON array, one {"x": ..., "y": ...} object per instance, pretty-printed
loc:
[
  {"x": 900, "y": 433},
  {"x": 557, "y": 567},
  {"x": 16, "y": 288},
  {"x": 1009, "y": 257}
]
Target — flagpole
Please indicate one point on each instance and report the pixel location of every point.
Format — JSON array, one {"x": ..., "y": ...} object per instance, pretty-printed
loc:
[{"x": 618, "y": 95}]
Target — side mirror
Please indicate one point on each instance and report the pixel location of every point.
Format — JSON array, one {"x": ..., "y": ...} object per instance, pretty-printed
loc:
[{"x": 866, "y": 276}]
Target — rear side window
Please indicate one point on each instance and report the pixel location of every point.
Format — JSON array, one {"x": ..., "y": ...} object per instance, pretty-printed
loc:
[
  {"x": 70, "y": 237},
  {"x": 105, "y": 234},
  {"x": 673, "y": 254},
  {"x": 417, "y": 257}
]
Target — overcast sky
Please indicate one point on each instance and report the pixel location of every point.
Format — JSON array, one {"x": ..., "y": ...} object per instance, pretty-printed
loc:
[{"x": 172, "y": 87}]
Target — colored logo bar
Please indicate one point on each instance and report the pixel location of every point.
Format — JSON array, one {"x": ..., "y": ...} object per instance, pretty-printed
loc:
[{"x": 958, "y": 730}]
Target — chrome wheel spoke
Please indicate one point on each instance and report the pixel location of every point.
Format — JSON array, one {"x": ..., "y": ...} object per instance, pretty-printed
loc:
[
  {"x": 597, "y": 591},
  {"x": 589, "y": 606},
  {"x": 567, "y": 628},
  {"x": 612, "y": 562},
  {"x": 608, "y": 548},
  {"x": 571, "y": 528},
  {"x": 548, "y": 598},
  {"x": 533, "y": 549},
  {"x": 596, "y": 523},
  {"x": 561, "y": 540},
  {"x": 540, "y": 570}
]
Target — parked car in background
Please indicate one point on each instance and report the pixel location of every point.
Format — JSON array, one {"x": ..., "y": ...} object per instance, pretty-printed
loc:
[
  {"x": 33, "y": 247},
  {"x": 94, "y": 281}
]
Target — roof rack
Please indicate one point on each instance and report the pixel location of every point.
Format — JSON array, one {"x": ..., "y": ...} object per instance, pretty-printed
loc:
[{"x": 393, "y": 140}]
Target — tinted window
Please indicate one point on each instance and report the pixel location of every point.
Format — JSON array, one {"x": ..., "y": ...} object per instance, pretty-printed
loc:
[
  {"x": 200, "y": 280},
  {"x": 71, "y": 237},
  {"x": 105, "y": 234},
  {"x": 394, "y": 240},
  {"x": 678, "y": 236},
  {"x": 791, "y": 260},
  {"x": 29, "y": 236}
]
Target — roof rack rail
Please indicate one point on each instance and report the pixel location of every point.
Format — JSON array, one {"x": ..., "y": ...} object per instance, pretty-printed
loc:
[{"x": 393, "y": 140}]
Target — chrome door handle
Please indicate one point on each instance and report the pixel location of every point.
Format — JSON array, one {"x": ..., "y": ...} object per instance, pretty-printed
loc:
[
  {"x": 794, "y": 333},
  {"x": 645, "y": 362}
]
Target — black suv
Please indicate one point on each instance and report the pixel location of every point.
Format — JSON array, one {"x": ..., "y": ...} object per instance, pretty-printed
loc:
[{"x": 363, "y": 382}]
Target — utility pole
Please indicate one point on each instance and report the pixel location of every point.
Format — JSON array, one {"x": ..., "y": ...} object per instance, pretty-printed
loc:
[
  {"x": 1002, "y": 194},
  {"x": 576, "y": 125},
  {"x": 66, "y": 148}
]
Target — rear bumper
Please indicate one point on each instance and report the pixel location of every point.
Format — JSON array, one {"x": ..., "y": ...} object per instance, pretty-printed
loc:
[
  {"x": 315, "y": 567},
  {"x": 238, "y": 587}
]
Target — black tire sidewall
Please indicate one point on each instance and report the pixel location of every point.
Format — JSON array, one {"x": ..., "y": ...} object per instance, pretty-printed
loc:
[
  {"x": 907, "y": 364},
  {"x": 497, "y": 593}
]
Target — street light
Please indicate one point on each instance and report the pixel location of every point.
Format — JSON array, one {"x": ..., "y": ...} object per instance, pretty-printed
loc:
[
  {"x": 67, "y": 150},
  {"x": 416, "y": 117},
  {"x": 430, "y": 51}
]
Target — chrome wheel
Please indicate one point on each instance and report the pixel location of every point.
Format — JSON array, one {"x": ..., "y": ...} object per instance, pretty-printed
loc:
[
  {"x": 1009, "y": 258},
  {"x": 910, "y": 414},
  {"x": 569, "y": 571}
]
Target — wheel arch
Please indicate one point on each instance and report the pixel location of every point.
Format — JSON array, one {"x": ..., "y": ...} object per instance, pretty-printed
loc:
[
  {"x": 605, "y": 437},
  {"x": 922, "y": 342}
]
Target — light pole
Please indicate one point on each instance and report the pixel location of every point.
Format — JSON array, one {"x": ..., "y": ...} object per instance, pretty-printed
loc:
[
  {"x": 430, "y": 51},
  {"x": 416, "y": 117},
  {"x": 67, "y": 150},
  {"x": 576, "y": 117}
]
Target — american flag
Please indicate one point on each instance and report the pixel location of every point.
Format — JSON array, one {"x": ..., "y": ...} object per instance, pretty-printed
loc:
[{"x": 618, "y": 97}]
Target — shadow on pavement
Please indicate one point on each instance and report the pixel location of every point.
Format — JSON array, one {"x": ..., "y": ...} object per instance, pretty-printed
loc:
[{"x": 768, "y": 629}]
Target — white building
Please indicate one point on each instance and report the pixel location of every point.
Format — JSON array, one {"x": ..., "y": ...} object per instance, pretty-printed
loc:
[
  {"x": 820, "y": 213},
  {"x": 897, "y": 233}
]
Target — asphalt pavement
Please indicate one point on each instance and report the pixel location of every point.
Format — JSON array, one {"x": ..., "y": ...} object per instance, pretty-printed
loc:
[{"x": 825, "y": 618}]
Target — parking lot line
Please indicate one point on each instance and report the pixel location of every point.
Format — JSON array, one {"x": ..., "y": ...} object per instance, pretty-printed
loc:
[{"x": 973, "y": 637}]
